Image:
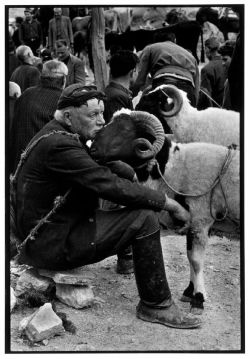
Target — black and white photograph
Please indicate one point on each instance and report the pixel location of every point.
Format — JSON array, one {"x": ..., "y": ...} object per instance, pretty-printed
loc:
[{"x": 124, "y": 177}]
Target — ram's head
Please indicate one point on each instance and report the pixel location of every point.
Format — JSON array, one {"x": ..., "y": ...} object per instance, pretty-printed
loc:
[
  {"x": 132, "y": 136},
  {"x": 164, "y": 101}
]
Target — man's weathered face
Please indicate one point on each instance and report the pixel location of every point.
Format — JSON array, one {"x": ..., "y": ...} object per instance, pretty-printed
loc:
[
  {"x": 62, "y": 52},
  {"x": 27, "y": 15},
  {"x": 87, "y": 121},
  {"x": 57, "y": 12}
]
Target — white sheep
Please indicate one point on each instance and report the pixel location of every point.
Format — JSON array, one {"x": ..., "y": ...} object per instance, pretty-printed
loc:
[
  {"x": 194, "y": 169},
  {"x": 212, "y": 125}
]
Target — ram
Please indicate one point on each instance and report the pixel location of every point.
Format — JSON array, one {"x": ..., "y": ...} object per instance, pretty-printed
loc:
[
  {"x": 186, "y": 123},
  {"x": 206, "y": 176}
]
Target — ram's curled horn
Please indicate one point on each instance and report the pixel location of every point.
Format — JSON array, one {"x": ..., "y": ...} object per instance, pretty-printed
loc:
[
  {"x": 148, "y": 123},
  {"x": 169, "y": 91}
]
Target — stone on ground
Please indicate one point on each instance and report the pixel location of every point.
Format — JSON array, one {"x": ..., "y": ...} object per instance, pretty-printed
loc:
[
  {"x": 43, "y": 324},
  {"x": 75, "y": 296},
  {"x": 30, "y": 279},
  {"x": 69, "y": 277}
]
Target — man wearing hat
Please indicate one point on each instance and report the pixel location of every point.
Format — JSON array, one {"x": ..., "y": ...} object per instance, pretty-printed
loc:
[
  {"x": 213, "y": 76},
  {"x": 168, "y": 63},
  {"x": 30, "y": 32},
  {"x": 77, "y": 232}
]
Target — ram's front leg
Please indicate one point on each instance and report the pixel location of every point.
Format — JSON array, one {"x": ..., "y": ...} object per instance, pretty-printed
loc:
[{"x": 195, "y": 292}]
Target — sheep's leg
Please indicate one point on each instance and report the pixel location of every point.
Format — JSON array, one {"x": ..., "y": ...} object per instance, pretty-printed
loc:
[
  {"x": 195, "y": 292},
  {"x": 188, "y": 293}
]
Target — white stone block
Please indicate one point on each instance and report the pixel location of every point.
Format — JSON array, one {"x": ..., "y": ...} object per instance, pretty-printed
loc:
[{"x": 44, "y": 324}]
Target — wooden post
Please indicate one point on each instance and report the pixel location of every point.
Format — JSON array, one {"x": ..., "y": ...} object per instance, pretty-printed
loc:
[{"x": 98, "y": 47}]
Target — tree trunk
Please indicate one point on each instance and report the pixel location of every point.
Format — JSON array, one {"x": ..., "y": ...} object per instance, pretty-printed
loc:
[{"x": 98, "y": 47}]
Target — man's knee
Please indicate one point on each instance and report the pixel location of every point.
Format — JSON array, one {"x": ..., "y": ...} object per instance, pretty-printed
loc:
[{"x": 150, "y": 222}]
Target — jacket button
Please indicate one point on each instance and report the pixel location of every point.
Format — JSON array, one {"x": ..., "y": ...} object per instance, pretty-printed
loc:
[
  {"x": 91, "y": 219},
  {"x": 92, "y": 243}
]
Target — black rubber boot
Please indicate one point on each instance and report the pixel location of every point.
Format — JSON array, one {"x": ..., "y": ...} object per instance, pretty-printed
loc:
[
  {"x": 156, "y": 304},
  {"x": 125, "y": 261}
]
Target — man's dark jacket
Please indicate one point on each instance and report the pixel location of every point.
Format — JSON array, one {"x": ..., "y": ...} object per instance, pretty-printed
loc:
[
  {"x": 56, "y": 164},
  {"x": 30, "y": 30},
  {"x": 25, "y": 76},
  {"x": 33, "y": 109},
  {"x": 213, "y": 78},
  {"x": 117, "y": 97}
]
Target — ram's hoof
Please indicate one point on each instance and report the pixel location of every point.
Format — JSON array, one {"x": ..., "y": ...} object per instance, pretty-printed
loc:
[
  {"x": 187, "y": 295},
  {"x": 196, "y": 304}
]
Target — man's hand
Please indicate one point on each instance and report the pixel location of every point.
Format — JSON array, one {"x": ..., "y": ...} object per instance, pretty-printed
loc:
[
  {"x": 178, "y": 212},
  {"x": 122, "y": 169}
]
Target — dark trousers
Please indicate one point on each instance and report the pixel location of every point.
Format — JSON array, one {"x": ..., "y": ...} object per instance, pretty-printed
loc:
[
  {"x": 181, "y": 84},
  {"x": 117, "y": 229}
]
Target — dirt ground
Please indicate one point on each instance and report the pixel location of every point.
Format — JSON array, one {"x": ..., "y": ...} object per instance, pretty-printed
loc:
[{"x": 111, "y": 323}]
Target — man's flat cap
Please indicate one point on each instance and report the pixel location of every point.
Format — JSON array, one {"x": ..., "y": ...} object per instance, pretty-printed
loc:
[
  {"x": 28, "y": 9},
  {"x": 77, "y": 95}
]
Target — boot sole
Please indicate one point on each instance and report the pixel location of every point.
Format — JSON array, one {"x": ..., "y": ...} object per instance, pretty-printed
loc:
[{"x": 177, "y": 326}]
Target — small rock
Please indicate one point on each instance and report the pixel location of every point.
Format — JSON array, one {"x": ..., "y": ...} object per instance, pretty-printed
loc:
[
  {"x": 84, "y": 348},
  {"x": 30, "y": 279},
  {"x": 75, "y": 296},
  {"x": 13, "y": 300},
  {"x": 45, "y": 342},
  {"x": 24, "y": 322},
  {"x": 133, "y": 340},
  {"x": 18, "y": 269},
  {"x": 99, "y": 300},
  {"x": 44, "y": 324}
]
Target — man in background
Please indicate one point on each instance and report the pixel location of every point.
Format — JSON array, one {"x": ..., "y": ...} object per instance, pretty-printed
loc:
[
  {"x": 35, "y": 107},
  {"x": 76, "y": 67},
  {"x": 30, "y": 32},
  {"x": 213, "y": 76},
  {"x": 26, "y": 74},
  {"x": 60, "y": 27},
  {"x": 122, "y": 69}
]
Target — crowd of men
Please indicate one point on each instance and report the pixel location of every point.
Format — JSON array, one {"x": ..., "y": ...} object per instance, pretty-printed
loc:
[{"x": 50, "y": 101}]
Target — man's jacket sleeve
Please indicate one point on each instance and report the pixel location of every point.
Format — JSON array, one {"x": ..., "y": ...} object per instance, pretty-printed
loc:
[{"x": 72, "y": 163}]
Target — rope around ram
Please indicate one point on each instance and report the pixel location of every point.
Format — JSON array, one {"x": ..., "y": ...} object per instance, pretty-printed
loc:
[{"x": 217, "y": 180}]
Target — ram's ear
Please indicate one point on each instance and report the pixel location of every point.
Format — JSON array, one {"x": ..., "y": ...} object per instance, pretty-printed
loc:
[{"x": 143, "y": 149}]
